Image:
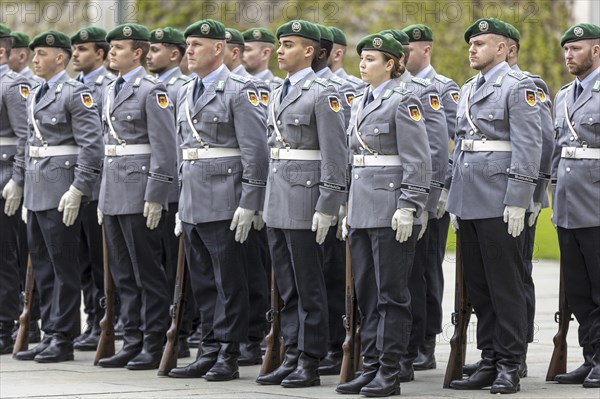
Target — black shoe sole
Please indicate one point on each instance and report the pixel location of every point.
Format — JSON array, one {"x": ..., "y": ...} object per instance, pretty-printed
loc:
[
  {"x": 505, "y": 390},
  {"x": 219, "y": 377},
  {"x": 54, "y": 360},
  {"x": 292, "y": 384}
]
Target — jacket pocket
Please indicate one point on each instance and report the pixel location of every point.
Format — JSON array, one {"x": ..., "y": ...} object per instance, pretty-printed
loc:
[
  {"x": 386, "y": 191},
  {"x": 294, "y": 125},
  {"x": 304, "y": 188}
]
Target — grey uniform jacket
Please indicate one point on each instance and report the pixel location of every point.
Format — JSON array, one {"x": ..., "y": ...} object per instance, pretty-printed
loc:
[
  {"x": 576, "y": 182},
  {"x": 14, "y": 90},
  {"x": 309, "y": 118},
  {"x": 272, "y": 79},
  {"x": 435, "y": 123},
  {"x": 141, "y": 114},
  {"x": 359, "y": 85},
  {"x": 387, "y": 127},
  {"x": 65, "y": 115},
  {"x": 227, "y": 115},
  {"x": 346, "y": 92},
  {"x": 483, "y": 183}
]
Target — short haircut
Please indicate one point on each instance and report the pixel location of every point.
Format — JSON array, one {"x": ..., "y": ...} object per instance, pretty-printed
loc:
[
  {"x": 6, "y": 43},
  {"x": 105, "y": 47},
  {"x": 142, "y": 45}
]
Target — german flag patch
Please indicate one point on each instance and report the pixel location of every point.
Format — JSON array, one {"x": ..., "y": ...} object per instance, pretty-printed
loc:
[
  {"x": 530, "y": 97},
  {"x": 87, "y": 99},
  {"x": 434, "y": 101},
  {"x": 252, "y": 97},
  {"x": 455, "y": 96},
  {"x": 264, "y": 97},
  {"x": 162, "y": 99},
  {"x": 349, "y": 97},
  {"x": 541, "y": 95},
  {"x": 334, "y": 103},
  {"x": 24, "y": 90},
  {"x": 414, "y": 113}
]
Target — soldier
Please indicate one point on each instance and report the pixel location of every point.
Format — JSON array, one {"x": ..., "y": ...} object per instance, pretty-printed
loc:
[
  {"x": 420, "y": 44},
  {"x": 223, "y": 158},
  {"x": 90, "y": 49},
  {"x": 234, "y": 52},
  {"x": 19, "y": 57},
  {"x": 390, "y": 158},
  {"x": 496, "y": 162},
  {"x": 305, "y": 189},
  {"x": 575, "y": 187},
  {"x": 336, "y": 59},
  {"x": 62, "y": 166},
  {"x": 259, "y": 44},
  {"x": 139, "y": 164},
  {"x": 14, "y": 91}
]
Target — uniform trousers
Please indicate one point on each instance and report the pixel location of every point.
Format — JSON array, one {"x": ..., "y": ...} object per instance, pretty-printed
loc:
[
  {"x": 528, "y": 250},
  {"x": 23, "y": 255},
  {"x": 434, "y": 273},
  {"x": 417, "y": 286},
  {"x": 134, "y": 259},
  {"x": 493, "y": 268},
  {"x": 334, "y": 270},
  {"x": 54, "y": 251},
  {"x": 298, "y": 267},
  {"x": 9, "y": 265},
  {"x": 218, "y": 277},
  {"x": 580, "y": 257},
  {"x": 258, "y": 267},
  {"x": 381, "y": 267},
  {"x": 90, "y": 259}
]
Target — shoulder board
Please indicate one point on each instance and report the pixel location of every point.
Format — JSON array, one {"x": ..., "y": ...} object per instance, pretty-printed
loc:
[
  {"x": 11, "y": 74},
  {"x": 239, "y": 78},
  {"x": 148, "y": 78},
  {"x": 172, "y": 80},
  {"x": 531, "y": 75},
  {"x": 220, "y": 85},
  {"x": 336, "y": 79},
  {"x": 359, "y": 95},
  {"x": 401, "y": 89},
  {"x": 517, "y": 75},
  {"x": 322, "y": 82},
  {"x": 470, "y": 79},
  {"x": 188, "y": 81},
  {"x": 566, "y": 86},
  {"x": 442, "y": 79},
  {"x": 596, "y": 86},
  {"x": 420, "y": 81}
]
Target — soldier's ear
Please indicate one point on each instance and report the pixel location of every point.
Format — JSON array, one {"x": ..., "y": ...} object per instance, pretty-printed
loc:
[{"x": 219, "y": 46}]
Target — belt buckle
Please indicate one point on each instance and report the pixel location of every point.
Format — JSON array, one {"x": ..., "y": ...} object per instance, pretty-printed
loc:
[
  {"x": 275, "y": 153},
  {"x": 111, "y": 150},
  {"x": 467, "y": 145},
  {"x": 359, "y": 160},
  {"x": 34, "y": 152},
  {"x": 570, "y": 153}
]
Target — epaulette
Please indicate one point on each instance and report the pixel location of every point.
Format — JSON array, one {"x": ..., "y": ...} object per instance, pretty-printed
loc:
[
  {"x": 470, "y": 79},
  {"x": 174, "y": 79},
  {"x": 517, "y": 75},
  {"x": 358, "y": 95},
  {"x": 336, "y": 79},
  {"x": 401, "y": 89},
  {"x": 420, "y": 81},
  {"x": 322, "y": 82},
  {"x": 70, "y": 82},
  {"x": 531, "y": 75},
  {"x": 596, "y": 86},
  {"x": 11, "y": 74},
  {"x": 148, "y": 78},
  {"x": 239, "y": 78},
  {"x": 566, "y": 86},
  {"x": 442, "y": 79}
]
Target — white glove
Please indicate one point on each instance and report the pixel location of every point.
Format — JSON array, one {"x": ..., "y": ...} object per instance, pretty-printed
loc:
[
  {"x": 424, "y": 220},
  {"x": 100, "y": 216},
  {"x": 12, "y": 193},
  {"x": 258, "y": 222},
  {"x": 402, "y": 223},
  {"x": 441, "y": 206},
  {"x": 454, "y": 223},
  {"x": 321, "y": 224},
  {"x": 242, "y": 222},
  {"x": 152, "y": 213},
  {"x": 178, "y": 229},
  {"x": 24, "y": 214},
  {"x": 537, "y": 207},
  {"x": 69, "y": 205},
  {"x": 341, "y": 219},
  {"x": 345, "y": 230},
  {"x": 515, "y": 217}
]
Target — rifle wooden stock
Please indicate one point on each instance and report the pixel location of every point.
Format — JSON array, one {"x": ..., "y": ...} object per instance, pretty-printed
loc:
[
  {"x": 106, "y": 343},
  {"x": 351, "y": 345},
  {"x": 273, "y": 353},
  {"x": 558, "y": 362},
  {"x": 169, "y": 358},
  {"x": 460, "y": 319},
  {"x": 22, "y": 341}
]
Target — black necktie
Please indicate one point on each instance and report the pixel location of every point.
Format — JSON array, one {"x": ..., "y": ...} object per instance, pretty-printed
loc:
[
  {"x": 370, "y": 98},
  {"x": 198, "y": 90},
  {"x": 480, "y": 82},
  {"x": 80, "y": 78},
  {"x": 578, "y": 90},
  {"x": 119, "y": 85},
  {"x": 42, "y": 92},
  {"x": 285, "y": 89}
]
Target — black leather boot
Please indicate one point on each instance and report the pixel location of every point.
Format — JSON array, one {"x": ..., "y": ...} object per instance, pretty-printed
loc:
[
  {"x": 469, "y": 369},
  {"x": 195, "y": 340},
  {"x": 305, "y": 375},
  {"x": 507, "y": 379},
  {"x": 578, "y": 375},
  {"x": 149, "y": 357},
  {"x": 32, "y": 353},
  {"x": 226, "y": 367},
  {"x": 426, "y": 357},
  {"x": 484, "y": 375},
  {"x": 386, "y": 382},
  {"x": 593, "y": 378},
  {"x": 132, "y": 346},
  {"x": 209, "y": 352},
  {"x": 250, "y": 353},
  {"x": 370, "y": 367},
  {"x": 289, "y": 364},
  {"x": 523, "y": 367},
  {"x": 119, "y": 330},
  {"x": 6, "y": 339},
  {"x": 407, "y": 372},
  {"x": 183, "y": 348},
  {"x": 90, "y": 341},
  {"x": 35, "y": 335},
  {"x": 60, "y": 349},
  {"x": 332, "y": 362}
]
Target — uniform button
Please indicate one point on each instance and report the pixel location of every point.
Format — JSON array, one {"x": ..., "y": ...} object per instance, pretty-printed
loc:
[
  {"x": 591, "y": 119},
  {"x": 471, "y": 132},
  {"x": 215, "y": 119},
  {"x": 110, "y": 160},
  {"x": 308, "y": 182},
  {"x": 53, "y": 119},
  {"x": 67, "y": 163},
  {"x": 279, "y": 122},
  {"x": 471, "y": 116},
  {"x": 274, "y": 170},
  {"x": 128, "y": 117},
  {"x": 34, "y": 162},
  {"x": 229, "y": 170},
  {"x": 568, "y": 170},
  {"x": 391, "y": 185},
  {"x": 571, "y": 138},
  {"x": 376, "y": 130},
  {"x": 143, "y": 168},
  {"x": 490, "y": 116},
  {"x": 296, "y": 121},
  {"x": 195, "y": 121},
  {"x": 360, "y": 149},
  {"x": 3, "y": 155},
  {"x": 507, "y": 170},
  {"x": 37, "y": 121},
  {"x": 466, "y": 164},
  {"x": 113, "y": 118},
  {"x": 355, "y": 176}
]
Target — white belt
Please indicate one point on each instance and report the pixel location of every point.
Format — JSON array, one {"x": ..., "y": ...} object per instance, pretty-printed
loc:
[
  {"x": 8, "y": 141},
  {"x": 118, "y": 150},
  {"x": 580, "y": 153},
  {"x": 192, "y": 154},
  {"x": 376, "y": 160},
  {"x": 295, "y": 155},
  {"x": 53, "y": 151},
  {"x": 485, "y": 145}
]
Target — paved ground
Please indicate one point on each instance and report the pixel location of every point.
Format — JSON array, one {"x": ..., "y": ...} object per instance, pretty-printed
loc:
[{"x": 80, "y": 379}]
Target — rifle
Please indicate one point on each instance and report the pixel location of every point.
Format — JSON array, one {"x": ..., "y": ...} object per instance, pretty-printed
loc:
[
  {"x": 273, "y": 354},
  {"x": 22, "y": 341},
  {"x": 106, "y": 343},
  {"x": 460, "y": 320},
  {"x": 558, "y": 362},
  {"x": 169, "y": 358},
  {"x": 351, "y": 345}
]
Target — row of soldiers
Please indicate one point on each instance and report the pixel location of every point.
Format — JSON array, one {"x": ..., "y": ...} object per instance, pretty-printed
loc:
[{"x": 207, "y": 132}]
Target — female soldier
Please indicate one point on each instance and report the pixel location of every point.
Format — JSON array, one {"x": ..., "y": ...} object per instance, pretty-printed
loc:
[{"x": 389, "y": 188}]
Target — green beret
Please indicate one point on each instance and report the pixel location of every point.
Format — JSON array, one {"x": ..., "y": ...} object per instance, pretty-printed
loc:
[
  {"x": 129, "y": 31},
  {"x": 20, "y": 39},
  {"x": 206, "y": 28},
  {"x": 167, "y": 35},
  {"x": 4, "y": 31},
  {"x": 513, "y": 33},
  {"x": 89, "y": 34},
  {"x": 486, "y": 25},
  {"x": 326, "y": 33},
  {"x": 258, "y": 35},
  {"x": 301, "y": 28},
  {"x": 338, "y": 35},
  {"x": 380, "y": 42},
  {"x": 580, "y": 32},
  {"x": 418, "y": 33},
  {"x": 396, "y": 34},
  {"x": 51, "y": 38},
  {"x": 234, "y": 36}
]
